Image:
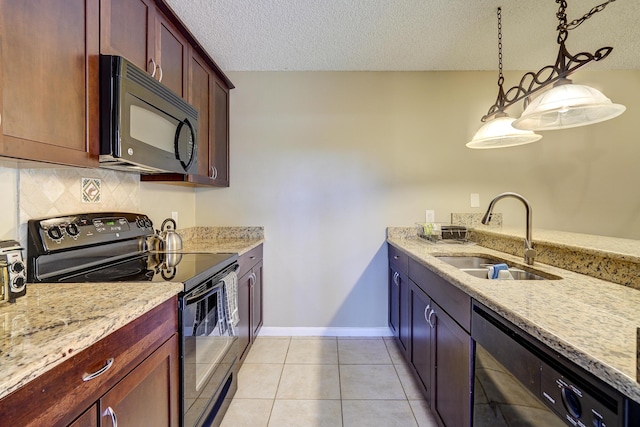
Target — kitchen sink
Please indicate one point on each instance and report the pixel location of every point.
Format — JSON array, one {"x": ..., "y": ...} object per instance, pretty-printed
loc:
[
  {"x": 478, "y": 266},
  {"x": 470, "y": 261}
]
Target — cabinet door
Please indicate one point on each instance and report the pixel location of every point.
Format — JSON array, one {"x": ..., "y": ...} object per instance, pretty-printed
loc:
[
  {"x": 148, "y": 395},
  {"x": 421, "y": 338},
  {"x": 394, "y": 301},
  {"x": 88, "y": 419},
  {"x": 453, "y": 374},
  {"x": 219, "y": 152},
  {"x": 244, "y": 309},
  {"x": 49, "y": 86},
  {"x": 127, "y": 28},
  {"x": 200, "y": 96},
  {"x": 399, "y": 307},
  {"x": 172, "y": 53},
  {"x": 256, "y": 301}
]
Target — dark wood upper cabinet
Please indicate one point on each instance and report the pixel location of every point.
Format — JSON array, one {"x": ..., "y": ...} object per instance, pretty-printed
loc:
[
  {"x": 128, "y": 29},
  {"x": 219, "y": 154},
  {"x": 138, "y": 31},
  {"x": 172, "y": 52},
  {"x": 210, "y": 96},
  {"x": 49, "y": 81}
]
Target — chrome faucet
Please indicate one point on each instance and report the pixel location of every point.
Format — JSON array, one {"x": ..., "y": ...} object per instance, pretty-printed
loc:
[{"x": 529, "y": 251}]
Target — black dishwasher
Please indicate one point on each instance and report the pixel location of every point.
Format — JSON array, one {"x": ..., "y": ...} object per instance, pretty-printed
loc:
[{"x": 520, "y": 382}]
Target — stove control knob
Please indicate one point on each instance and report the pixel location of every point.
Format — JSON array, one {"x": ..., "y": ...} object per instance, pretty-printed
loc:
[
  {"x": 55, "y": 232},
  {"x": 73, "y": 230},
  {"x": 148, "y": 223}
]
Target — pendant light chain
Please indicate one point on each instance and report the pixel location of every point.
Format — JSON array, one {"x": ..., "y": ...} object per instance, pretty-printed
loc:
[
  {"x": 563, "y": 26},
  {"x": 500, "y": 75}
]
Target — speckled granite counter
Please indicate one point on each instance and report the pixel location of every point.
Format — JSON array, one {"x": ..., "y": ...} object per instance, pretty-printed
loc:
[
  {"x": 591, "y": 321},
  {"x": 221, "y": 239},
  {"x": 612, "y": 259},
  {"x": 45, "y": 327}
]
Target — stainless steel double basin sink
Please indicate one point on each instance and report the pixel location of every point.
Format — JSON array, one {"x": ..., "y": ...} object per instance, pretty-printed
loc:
[{"x": 478, "y": 266}]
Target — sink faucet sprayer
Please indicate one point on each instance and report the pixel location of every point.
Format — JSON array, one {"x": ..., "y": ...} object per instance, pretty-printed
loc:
[{"x": 529, "y": 252}]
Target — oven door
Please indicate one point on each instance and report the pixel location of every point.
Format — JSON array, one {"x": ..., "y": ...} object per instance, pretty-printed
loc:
[{"x": 208, "y": 351}]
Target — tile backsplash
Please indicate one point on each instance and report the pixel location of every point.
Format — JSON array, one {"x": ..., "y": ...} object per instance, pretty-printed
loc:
[{"x": 60, "y": 191}]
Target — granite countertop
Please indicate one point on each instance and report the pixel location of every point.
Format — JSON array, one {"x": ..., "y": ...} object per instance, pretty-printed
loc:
[
  {"x": 221, "y": 239},
  {"x": 589, "y": 320},
  {"x": 46, "y": 326}
]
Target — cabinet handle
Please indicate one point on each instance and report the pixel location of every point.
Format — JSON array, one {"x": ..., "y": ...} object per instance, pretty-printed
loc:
[
  {"x": 111, "y": 413},
  {"x": 396, "y": 278},
  {"x": 105, "y": 368},
  {"x": 155, "y": 67},
  {"x": 252, "y": 279},
  {"x": 426, "y": 309},
  {"x": 160, "y": 78},
  {"x": 215, "y": 172},
  {"x": 429, "y": 319}
]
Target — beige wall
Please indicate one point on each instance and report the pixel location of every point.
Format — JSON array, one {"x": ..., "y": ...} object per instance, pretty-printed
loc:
[{"x": 325, "y": 161}]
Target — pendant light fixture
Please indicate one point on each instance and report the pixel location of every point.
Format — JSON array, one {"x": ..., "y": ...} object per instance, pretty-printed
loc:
[
  {"x": 563, "y": 104},
  {"x": 498, "y": 131}
]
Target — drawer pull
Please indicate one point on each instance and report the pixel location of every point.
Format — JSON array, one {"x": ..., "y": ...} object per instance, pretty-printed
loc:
[
  {"x": 396, "y": 257},
  {"x": 111, "y": 413},
  {"x": 252, "y": 257},
  {"x": 105, "y": 368}
]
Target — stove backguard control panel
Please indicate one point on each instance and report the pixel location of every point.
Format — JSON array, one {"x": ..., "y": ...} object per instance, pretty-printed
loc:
[{"x": 75, "y": 231}]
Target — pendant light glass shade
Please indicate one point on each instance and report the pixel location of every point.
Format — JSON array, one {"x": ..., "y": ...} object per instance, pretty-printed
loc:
[
  {"x": 566, "y": 106},
  {"x": 499, "y": 133}
]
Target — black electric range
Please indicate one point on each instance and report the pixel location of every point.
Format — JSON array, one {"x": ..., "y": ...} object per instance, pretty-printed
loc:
[
  {"x": 110, "y": 247},
  {"x": 117, "y": 247}
]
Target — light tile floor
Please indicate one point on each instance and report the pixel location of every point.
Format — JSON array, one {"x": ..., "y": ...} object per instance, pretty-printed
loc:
[{"x": 326, "y": 381}]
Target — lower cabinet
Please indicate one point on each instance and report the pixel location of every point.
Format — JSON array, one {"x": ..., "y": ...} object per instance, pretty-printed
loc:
[
  {"x": 439, "y": 345},
  {"x": 249, "y": 299},
  {"x": 421, "y": 331},
  {"x": 145, "y": 395},
  {"x": 131, "y": 375},
  {"x": 451, "y": 399},
  {"x": 399, "y": 300}
]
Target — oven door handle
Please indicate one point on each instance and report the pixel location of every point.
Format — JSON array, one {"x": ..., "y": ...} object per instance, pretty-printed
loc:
[{"x": 203, "y": 295}]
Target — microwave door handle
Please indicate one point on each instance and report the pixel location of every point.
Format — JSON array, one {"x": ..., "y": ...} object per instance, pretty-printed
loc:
[{"x": 176, "y": 144}]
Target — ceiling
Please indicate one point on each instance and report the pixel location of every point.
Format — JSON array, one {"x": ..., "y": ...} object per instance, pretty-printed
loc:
[{"x": 404, "y": 35}]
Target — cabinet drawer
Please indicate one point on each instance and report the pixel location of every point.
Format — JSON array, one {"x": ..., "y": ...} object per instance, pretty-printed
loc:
[
  {"x": 398, "y": 259},
  {"x": 61, "y": 394},
  {"x": 452, "y": 300},
  {"x": 249, "y": 259}
]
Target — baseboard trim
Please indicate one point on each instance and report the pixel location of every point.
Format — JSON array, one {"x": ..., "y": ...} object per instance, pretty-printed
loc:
[{"x": 267, "y": 331}]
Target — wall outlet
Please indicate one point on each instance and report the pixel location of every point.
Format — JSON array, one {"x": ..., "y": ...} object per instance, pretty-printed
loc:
[
  {"x": 475, "y": 200},
  {"x": 174, "y": 216},
  {"x": 430, "y": 215}
]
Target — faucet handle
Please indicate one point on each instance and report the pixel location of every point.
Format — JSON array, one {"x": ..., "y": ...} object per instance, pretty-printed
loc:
[{"x": 530, "y": 255}]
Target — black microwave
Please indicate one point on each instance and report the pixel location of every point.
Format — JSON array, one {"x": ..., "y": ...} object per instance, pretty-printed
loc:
[{"x": 144, "y": 126}]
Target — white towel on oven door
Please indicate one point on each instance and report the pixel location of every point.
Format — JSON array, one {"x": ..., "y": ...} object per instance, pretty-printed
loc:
[{"x": 231, "y": 291}]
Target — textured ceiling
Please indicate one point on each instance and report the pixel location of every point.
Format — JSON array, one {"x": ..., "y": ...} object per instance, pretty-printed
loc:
[{"x": 404, "y": 35}]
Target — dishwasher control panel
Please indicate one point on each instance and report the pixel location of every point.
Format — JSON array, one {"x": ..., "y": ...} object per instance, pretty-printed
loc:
[{"x": 577, "y": 406}]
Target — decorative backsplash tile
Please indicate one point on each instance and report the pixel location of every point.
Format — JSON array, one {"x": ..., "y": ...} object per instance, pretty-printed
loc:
[
  {"x": 60, "y": 191},
  {"x": 91, "y": 190}
]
